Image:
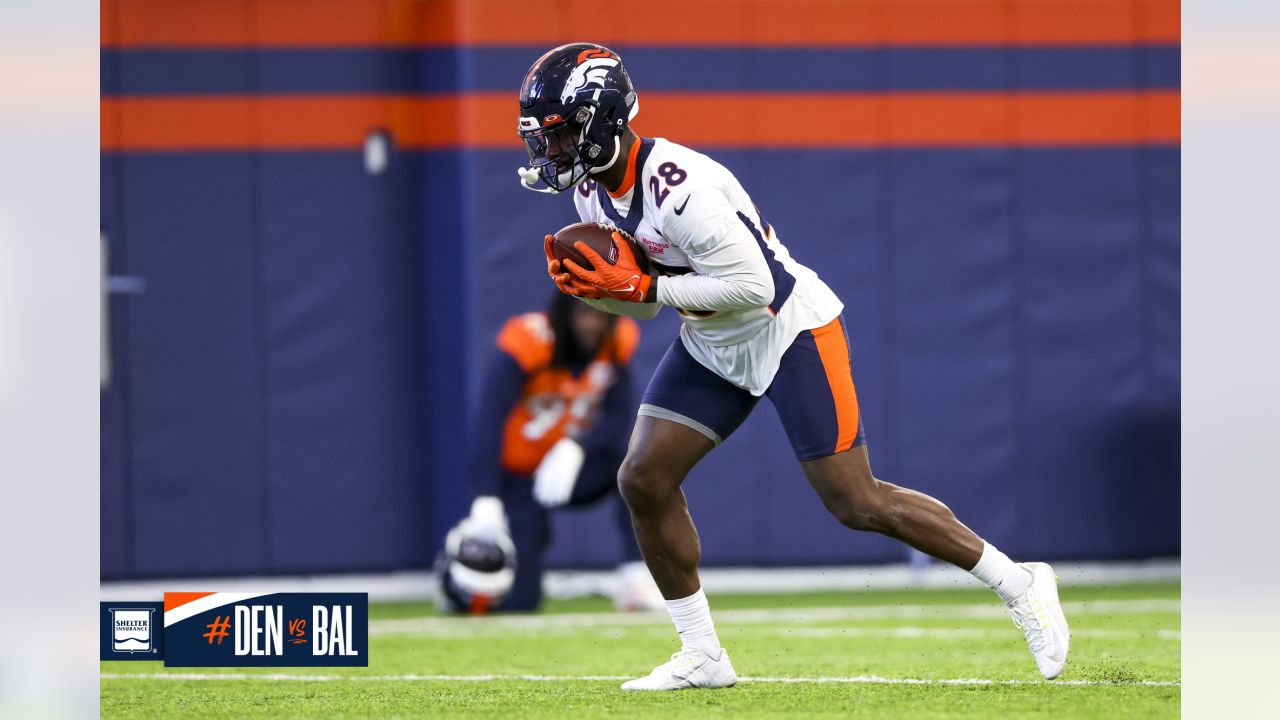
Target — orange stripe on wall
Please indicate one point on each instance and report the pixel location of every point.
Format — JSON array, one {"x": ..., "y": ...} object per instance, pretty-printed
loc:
[
  {"x": 240, "y": 23},
  {"x": 303, "y": 23},
  {"x": 756, "y": 120}
]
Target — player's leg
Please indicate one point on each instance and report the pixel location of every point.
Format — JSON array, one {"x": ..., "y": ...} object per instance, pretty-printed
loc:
[
  {"x": 597, "y": 482},
  {"x": 686, "y": 411},
  {"x": 531, "y": 534},
  {"x": 816, "y": 400},
  {"x": 860, "y": 501},
  {"x": 661, "y": 454},
  {"x": 633, "y": 588}
]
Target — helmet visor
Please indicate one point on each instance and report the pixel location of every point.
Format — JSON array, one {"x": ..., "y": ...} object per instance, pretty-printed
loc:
[{"x": 553, "y": 152}]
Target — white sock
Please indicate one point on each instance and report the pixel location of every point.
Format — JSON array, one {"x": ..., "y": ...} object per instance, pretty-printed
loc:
[
  {"x": 692, "y": 617},
  {"x": 1001, "y": 574}
]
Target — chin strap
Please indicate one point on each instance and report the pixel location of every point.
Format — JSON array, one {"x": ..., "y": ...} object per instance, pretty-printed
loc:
[
  {"x": 529, "y": 177},
  {"x": 617, "y": 150}
]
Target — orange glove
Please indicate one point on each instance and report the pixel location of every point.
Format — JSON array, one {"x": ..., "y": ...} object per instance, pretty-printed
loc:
[
  {"x": 553, "y": 265},
  {"x": 563, "y": 280},
  {"x": 623, "y": 281}
]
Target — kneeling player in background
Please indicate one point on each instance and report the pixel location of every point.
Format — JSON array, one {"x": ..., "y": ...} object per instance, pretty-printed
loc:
[{"x": 556, "y": 411}]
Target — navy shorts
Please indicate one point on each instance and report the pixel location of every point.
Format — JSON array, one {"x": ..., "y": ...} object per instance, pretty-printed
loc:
[{"x": 813, "y": 393}]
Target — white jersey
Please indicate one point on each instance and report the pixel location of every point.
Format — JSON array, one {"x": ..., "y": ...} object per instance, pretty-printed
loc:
[{"x": 742, "y": 297}]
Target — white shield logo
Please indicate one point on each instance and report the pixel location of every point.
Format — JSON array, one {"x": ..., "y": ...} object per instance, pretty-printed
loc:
[{"x": 131, "y": 630}]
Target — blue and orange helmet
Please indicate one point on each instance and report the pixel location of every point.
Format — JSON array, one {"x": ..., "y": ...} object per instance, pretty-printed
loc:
[{"x": 575, "y": 102}]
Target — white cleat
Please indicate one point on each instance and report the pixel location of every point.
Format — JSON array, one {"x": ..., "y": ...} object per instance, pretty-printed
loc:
[
  {"x": 688, "y": 668},
  {"x": 1039, "y": 613}
]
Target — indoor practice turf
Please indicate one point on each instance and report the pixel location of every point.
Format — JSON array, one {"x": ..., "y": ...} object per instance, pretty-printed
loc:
[{"x": 890, "y": 654}]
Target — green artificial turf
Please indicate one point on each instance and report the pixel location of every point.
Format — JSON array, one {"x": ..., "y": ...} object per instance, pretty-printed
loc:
[{"x": 851, "y": 650}]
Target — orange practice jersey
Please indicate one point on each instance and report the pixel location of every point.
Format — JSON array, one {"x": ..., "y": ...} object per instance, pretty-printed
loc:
[{"x": 554, "y": 404}]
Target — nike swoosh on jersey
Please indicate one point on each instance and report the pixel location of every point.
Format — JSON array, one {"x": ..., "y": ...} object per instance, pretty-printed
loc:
[{"x": 680, "y": 209}]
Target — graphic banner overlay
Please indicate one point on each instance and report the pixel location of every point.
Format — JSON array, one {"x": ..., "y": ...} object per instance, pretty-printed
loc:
[
  {"x": 266, "y": 629},
  {"x": 131, "y": 630}
]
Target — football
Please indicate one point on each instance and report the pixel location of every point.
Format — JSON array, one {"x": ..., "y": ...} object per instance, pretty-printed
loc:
[{"x": 597, "y": 237}]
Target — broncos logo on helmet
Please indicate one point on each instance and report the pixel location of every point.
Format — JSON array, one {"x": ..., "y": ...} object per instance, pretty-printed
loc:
[
  {"x": 575, "y": 101},
  {"x": 593, "y": 69}
]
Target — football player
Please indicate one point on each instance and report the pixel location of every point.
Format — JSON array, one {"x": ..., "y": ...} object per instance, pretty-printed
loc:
[
  {"x": 556, "y": 406},
  {"x": 756, "y": 323}
]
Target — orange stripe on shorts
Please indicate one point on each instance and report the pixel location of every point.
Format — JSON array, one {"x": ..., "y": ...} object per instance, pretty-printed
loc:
[{"x": 833, "y": 350}]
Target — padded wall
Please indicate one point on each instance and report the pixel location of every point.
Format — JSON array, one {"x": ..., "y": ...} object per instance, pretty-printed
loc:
[{"x": 991, "y": 187}]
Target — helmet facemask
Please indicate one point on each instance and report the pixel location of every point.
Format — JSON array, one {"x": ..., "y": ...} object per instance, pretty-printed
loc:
[
  {"x": 564, "y": 154},
  {"x": 553, "y": 154}
]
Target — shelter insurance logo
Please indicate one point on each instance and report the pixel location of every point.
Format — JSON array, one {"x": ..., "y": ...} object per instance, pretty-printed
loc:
[
  {"x": 131, "y": 631},
  {"x": 266, "y": 629}
]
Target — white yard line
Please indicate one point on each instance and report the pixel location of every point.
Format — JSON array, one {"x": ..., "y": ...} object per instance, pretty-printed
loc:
[
  {"x": 957, "y": 633},
  {"x": 858, "y": 679},
  {"x": 459, "y": 625},
  {"x": 420, "y": 585},
  {"x": 845, "y": 632}
]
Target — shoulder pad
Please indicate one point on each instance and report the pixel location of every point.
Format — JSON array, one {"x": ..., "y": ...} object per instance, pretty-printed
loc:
[{"x": 527, "y": 338}]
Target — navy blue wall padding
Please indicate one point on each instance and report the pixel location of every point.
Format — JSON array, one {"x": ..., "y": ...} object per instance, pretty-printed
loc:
[
  {"x": 294, "y": 390},
  {"x": 343, "y": 373},
  {"x": 116, "y": 500},
  {"x": 196, "y": 389},
  {"x": 274, "y": 379},
  {"x": 449, "y": 240},
  {"x": 949, "y": 292},
  {"x": 270, "y": 410}
]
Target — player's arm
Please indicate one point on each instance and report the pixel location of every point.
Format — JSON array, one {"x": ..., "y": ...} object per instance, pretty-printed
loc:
[
  {"x": 557, "y": 475},
  {"x": 503, "y": 382},
  {"x": 730, "y": 271},
  {"x": 615, "y": 417},
  {"x": 637, "y": 310}
]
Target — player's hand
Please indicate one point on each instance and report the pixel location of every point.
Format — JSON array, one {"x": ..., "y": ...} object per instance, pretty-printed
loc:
[
  {"x": 563, "y": 280},
  {"x": 621, "y": 281},
  {"x": 488, "y": 518}
]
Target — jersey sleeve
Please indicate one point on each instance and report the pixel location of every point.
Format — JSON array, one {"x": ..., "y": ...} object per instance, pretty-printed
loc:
[
  {"x": 639, "y": 311},
  {"x": 729, "y": 267}
]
